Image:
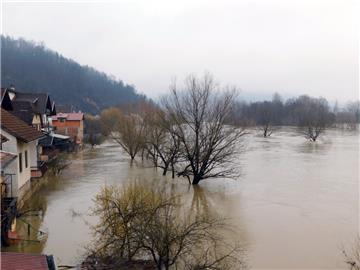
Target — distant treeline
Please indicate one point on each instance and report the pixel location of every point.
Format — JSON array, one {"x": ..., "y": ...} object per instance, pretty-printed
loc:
[
  {"x": 31, "y": 67},
  {"x": 300, "y": 111}
]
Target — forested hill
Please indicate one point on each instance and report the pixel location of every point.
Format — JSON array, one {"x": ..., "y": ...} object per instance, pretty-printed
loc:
[{"x": 31, "y": 67}]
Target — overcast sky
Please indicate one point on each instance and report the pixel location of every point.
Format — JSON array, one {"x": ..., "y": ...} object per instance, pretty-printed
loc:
[{"x": 261, "y": 46}]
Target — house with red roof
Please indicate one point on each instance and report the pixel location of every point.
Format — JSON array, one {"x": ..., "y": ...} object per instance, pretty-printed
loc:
[{"x": 70, "y": 124}]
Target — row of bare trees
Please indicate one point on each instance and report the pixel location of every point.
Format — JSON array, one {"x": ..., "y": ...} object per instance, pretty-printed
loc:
[
  {"x": 311, "y": 115},
  {"x": 189, "y": 132}
]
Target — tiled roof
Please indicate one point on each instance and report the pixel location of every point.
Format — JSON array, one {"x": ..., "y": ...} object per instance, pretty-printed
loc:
[
  {"x": 23, "y": 261},
  {"x": 40, "y": 101},
  {"x": 18, "y": 128},
  {"x": 69, "y": 116},
  {"x": 23, "y": 110}
]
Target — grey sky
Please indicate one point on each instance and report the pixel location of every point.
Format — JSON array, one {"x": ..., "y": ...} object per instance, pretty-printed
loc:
[{"x": 261, "y": 46}]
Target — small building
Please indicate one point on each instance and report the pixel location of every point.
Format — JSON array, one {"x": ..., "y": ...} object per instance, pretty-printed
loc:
[
  {"x": 26, "y": 261},
  {"x": 22, "y": 140},
  {"x": 70, "y": 124},
  {"x": 52, "y": 144}
]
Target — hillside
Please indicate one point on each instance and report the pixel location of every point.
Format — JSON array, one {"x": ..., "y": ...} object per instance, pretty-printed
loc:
[{"x": 31, "y": 67}]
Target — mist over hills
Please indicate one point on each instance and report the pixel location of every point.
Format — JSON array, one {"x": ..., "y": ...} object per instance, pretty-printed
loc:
[{"x": 31, "y": 67}]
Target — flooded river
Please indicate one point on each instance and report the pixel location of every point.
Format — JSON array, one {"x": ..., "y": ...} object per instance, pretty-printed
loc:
[{"x": 295, "y": 204}]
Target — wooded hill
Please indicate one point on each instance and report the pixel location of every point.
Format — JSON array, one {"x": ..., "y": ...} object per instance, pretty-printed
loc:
[{"x": 31, "y": 67}]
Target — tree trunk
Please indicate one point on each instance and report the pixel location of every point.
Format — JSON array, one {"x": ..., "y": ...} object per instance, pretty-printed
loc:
[
  {"x": 165, "y": 169},
  {"x": 172, "y": 170},
  {"x": 196, "y": 179}
]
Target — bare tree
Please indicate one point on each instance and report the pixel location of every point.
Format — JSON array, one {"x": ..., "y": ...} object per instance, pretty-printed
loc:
[
  {"x": 125, "y": 129},
  {"x": 110, "y": 119},
  {"x": 199, "y": 115},
  {"x": 93, "y": 133},
  {"x": 265, "y": 118},
  {"x": 162, "y": 144},
  {"x": 353, "y": 111},
  {"x": 131, "y": 134},
  {"x": 142, "y": 222},
  {"x": 314, "y": 116},
  {"x": 352, "y": 258},
  {"x": 118, "y": 209}
]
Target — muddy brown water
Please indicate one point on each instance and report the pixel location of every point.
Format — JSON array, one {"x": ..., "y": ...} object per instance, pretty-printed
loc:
[{"x": 295, "y": 204}]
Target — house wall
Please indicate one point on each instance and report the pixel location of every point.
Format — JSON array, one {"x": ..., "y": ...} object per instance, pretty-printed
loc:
[
  {"x": 22, "y": 179},
  {"x": 25, "y": 175},
  {"x": 33, "y": 154},
  {"x": 11, "y": 144},
  {"x": 36, "y": 122},
  {"x": 46, "y": 120},
  {"x": 73, "y": 129},
  {"x": 66, "y": 123}
]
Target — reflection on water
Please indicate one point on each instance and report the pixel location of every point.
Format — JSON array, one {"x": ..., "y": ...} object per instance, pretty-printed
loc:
[{"x": 294, "y": 206}]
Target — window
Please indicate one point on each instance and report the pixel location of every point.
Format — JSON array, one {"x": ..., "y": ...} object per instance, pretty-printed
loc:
[
  {"x": 62, "y": 120},
  {"x": 20, "y": 162},
  {"x": 26, "y": 159}
]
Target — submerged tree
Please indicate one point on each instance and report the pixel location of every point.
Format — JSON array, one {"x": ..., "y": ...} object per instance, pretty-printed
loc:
[
  {"x": 125, "y": 129},
  {"x": 265, "y": 117},
  {"x": 199, "y": 115},
  {"x": 140, "y": 222},
  {"x": 352, "y": 258},
  {"x": 93, "y": 130},
  {"x": 313, "y": 115},
  {"x": 161, "y": 142}
]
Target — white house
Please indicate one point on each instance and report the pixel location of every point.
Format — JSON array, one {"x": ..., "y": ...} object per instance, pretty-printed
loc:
[{"x": 22, "y": 141}]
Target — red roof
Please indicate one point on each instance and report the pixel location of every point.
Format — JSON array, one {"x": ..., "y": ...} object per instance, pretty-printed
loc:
[
  {"x": 23, "y": 261},
  {"x": 69, "y": 116}
]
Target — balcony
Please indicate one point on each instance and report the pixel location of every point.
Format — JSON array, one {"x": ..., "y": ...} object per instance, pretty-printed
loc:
[
  {"x": 7, "y": 186},
  {"x": 38, "y": 171}
]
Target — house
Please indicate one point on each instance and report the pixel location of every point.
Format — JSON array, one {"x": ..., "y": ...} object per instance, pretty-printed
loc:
[
  {"x": 70, "y": 124},
  {"x": 33, "y": 108},
  {"x": 26, "y": 261},
  {"x": 21, "y": 140}
]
